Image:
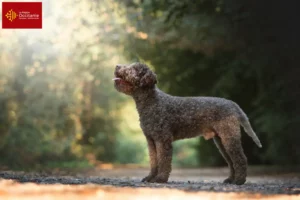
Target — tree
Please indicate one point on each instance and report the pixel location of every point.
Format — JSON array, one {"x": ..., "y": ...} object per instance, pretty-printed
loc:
[{"x": 56, "y": 94}]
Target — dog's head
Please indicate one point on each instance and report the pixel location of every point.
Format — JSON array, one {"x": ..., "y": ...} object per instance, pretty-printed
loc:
[{"x": 129, "y": 78}]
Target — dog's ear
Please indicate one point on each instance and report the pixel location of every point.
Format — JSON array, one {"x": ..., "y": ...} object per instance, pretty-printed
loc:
[{"x": 149, "y": 79}]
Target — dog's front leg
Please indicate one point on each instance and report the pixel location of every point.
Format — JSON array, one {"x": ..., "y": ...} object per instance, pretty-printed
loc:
[
  {"x": 153, "y": 160},
  {"x": 164, "y": 160}
]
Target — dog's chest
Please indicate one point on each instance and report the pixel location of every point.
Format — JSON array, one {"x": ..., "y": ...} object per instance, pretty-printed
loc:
[{"x": 154, "y": 119}]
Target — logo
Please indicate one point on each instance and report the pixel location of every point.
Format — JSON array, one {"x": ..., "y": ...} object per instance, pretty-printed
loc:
[
  {"x": 21, "y": 15},
  {"x": 11, "y": 15}
]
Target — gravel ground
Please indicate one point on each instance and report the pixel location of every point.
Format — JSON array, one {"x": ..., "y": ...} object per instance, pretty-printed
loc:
[{"x": 184, "y": 180}]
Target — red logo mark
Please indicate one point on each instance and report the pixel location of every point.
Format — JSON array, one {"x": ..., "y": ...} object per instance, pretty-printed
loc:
[{"x": 21, "y": 15}]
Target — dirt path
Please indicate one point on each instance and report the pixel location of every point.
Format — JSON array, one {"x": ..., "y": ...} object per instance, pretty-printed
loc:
[{"x": 125, "y": 184}]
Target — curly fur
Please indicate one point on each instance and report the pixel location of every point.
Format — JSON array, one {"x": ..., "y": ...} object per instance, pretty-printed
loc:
[{"x": 165, "y": 118}]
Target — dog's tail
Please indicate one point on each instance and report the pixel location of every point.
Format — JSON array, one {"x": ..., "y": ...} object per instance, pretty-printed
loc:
[{"x": 247, "y": 126}]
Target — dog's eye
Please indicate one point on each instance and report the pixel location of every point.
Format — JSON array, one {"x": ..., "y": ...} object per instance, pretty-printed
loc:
[{"x": 142, "y": 72}]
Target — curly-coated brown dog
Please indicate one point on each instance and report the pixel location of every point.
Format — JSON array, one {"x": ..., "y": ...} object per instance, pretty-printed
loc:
[{"x": 165, "y": 118}]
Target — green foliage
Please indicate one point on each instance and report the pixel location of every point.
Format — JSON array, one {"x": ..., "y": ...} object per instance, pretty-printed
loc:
[
  {"x": 185, "y": 153},
  {"x": 208, "y": 154},
  {"x": 131, "y": 149},
  {"x": 56, "y": 95}
]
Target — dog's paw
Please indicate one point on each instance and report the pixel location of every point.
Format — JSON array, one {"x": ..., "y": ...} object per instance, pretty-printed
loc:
[
  {"x": 239, "y": 181},
  {"x": 159, "y": 179},
  {"x": 228, "y": 180},
  {"x": 148, "y": 178}
]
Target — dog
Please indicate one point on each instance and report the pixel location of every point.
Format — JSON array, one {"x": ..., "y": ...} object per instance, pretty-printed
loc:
[{"x": 165, "y": 118}]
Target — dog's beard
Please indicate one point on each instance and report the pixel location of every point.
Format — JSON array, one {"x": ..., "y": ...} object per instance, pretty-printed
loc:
[{"x": 123, "y": 86}]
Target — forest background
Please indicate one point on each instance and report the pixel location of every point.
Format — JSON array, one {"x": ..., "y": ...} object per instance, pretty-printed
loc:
[{"x": 59, "y": 107}]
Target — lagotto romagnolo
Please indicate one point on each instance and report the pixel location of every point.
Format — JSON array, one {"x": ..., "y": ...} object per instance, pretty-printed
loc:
[{"x": 165, "y": 118}]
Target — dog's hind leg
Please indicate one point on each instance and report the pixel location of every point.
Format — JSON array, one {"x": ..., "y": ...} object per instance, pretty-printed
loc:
[
  {"x": 230, "y": 137},
  {"x": 225, "y": 155},
  {"x": 234, "y": 149}
]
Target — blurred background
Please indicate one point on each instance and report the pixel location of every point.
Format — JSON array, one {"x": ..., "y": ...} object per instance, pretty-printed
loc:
[{"x": 57, "y": 101}]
